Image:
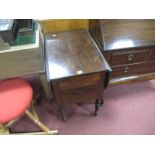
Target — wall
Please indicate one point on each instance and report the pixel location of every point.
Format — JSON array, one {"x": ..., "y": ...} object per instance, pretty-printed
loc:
[{"x": 55, "y": 25}]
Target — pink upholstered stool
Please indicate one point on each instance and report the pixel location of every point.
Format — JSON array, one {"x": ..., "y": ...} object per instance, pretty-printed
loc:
[{"x": 16, "y": 97}]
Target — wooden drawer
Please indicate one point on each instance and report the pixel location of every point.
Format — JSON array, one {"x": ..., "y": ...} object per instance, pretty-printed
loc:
[
  {"x": 80, "y": 94},
  {"x": 80, "y": 81},
  {"x": 136, "y": 69},
  {"x": 128, "y": 57},
  {"x": 152, "y": 56}
]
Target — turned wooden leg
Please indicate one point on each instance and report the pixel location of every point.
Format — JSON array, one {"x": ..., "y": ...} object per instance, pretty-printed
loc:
[
  {"x": 80, "y": 104},
  {"x": 97, "y": 105},
  {"x": 63, "y": 113},
  {"x": 102, "y": 102}
]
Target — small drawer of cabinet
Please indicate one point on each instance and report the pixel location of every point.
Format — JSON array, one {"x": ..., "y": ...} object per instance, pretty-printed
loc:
[
  {"x": 128, "y": 57},
  {"x": 135, "y": 69}
]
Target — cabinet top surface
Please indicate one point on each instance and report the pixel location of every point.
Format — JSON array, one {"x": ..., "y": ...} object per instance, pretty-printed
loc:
[
  {"x": 73, "y": 53},
  {"x": 128, "y": 33}
]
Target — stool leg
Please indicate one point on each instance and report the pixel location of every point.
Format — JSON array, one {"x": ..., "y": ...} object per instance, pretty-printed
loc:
[
  {"x": 3, "y": 129},
  {"x": 33, "y": 110},
  {"x": 40, "y": 124},
  {"x": 97, "y": 105},
  {"x": 8, "y": 125}
]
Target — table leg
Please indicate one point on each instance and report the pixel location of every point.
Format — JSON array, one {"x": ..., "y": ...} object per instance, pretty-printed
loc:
[
  {"x": 97, "y": 106},
  {"x": 102, "y": 102},
  {"x": 63, "y": 113}
]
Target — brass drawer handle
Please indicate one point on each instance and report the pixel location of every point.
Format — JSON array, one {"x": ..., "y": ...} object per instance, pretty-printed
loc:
[
  {"x": 126, "y": 69},
  {"x": 130, "y": 57}
]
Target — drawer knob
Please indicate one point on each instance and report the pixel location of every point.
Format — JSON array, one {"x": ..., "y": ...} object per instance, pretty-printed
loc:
[
  {"x": 126, "y": 69},
  {"x": 130, "y": 57}
]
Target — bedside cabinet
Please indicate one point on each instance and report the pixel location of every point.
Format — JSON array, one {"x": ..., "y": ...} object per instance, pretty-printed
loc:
[{"x": 78, "y": 71}]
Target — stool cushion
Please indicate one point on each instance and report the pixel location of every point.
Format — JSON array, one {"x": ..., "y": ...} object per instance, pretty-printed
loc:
[{"x": 15, "y": 98}]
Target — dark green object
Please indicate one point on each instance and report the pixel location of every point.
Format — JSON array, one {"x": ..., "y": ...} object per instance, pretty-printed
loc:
[{"x": 25, "y": 39}]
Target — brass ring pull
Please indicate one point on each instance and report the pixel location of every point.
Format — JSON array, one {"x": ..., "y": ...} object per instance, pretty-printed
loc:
[
  {"x": 130, "y": 57},
  {"x": 126, "y": 69}
]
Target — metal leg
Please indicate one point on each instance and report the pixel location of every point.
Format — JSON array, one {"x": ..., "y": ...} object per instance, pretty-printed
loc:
[
  {"x": 63, "y": 113},
  {"x": 3, "y": 130},
  {"x": 97, "y": 105},
  {"x": 33, "y": 110},
  {"x": 102, "y": 102},
  {"x": 40, "y": 124}
]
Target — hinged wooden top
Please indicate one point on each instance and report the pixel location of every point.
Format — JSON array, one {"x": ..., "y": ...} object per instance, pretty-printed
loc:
[
  {"x": 128, "y": 33},
  {"x": 73, "y": 53}
]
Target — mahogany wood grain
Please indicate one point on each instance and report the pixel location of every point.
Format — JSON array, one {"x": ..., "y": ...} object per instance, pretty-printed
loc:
[
  {"x": 152, "y": 55},
  {"x": 82, "y": 94},
  {"x": 129, "y": 44},
  {"x": 73, "y": 53},
  {"x": 128, "y": 33},
  {"x": 113, "y": 34},
  {"x": 77, "y": 69},
  {"x": 133, "y": 69},
  {"x": 79, "y": 81},
  {"x": 96, "y": 30},
  {"x": 130, "y": 56},
  {"x": 66, "y": 94}
]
